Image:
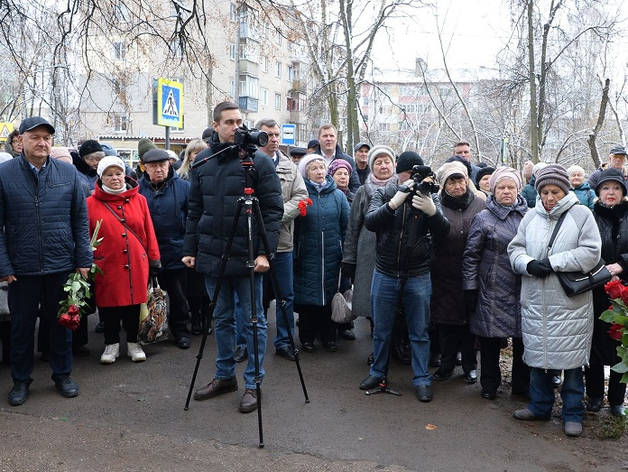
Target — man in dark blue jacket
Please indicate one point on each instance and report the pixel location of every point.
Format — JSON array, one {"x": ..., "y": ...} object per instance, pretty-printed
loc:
[
  {"x": 328, "y": 148},
  {"x": 45, "y": 238},
  {"x": 167, "y": 197},
  {"x": 216, "y": 187}
]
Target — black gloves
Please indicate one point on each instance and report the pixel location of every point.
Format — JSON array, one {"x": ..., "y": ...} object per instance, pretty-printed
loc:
[
  {"x": 154, "y": 267},
  {"x": 540, "y": 268},
  {"x": 470, "y": 299},
  {"x": 347, "y": 270}
]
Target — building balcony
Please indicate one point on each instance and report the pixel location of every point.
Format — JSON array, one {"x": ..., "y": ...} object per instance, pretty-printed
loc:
[
  {"x": 248, "y": 104},
  {"x": 249, "y": 67},
  {"x": 298, "y": 86}
]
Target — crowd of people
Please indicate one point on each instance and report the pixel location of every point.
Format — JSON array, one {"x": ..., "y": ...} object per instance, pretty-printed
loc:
[{"x": 449, "y": 263}]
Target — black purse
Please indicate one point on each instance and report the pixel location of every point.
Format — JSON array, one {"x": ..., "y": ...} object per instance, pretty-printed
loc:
[{"x": 577, "y": 283}]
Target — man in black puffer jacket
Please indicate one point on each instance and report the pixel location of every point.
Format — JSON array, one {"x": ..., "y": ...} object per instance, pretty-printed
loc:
[
  {"x": 215, "y": 189},
  {"x": 404, "y": 245},
  {"x": 45, "y": 238}
]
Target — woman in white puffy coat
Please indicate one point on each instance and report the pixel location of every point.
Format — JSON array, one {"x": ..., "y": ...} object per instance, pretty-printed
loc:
[{"x": 556, "y": 329}]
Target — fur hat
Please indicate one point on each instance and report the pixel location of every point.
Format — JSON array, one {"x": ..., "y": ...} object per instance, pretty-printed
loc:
[
  {"x": 109, "y": 161},
  {"x": 450, "y": 169},
  {"x": 572, "y": 169},
  {"x": 482, "y": 172},
  {"x": 377, "y": 151},
  {"x": 307, "y": 160},
  {"x": 505, "y": 173},
  {"x": 611, "y": 174},
  {"x": 143, "y": 146},
  {"x": 337, "y": 164},
  {"x": 88, "y": 147},
  {"x": 406, "y": 161},
  {"x": 552, "y": 174}
]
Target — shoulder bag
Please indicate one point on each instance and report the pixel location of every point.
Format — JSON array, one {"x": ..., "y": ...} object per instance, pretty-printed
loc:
[
  {"x": 341, "y": 311},
  {"x": 577, "y": 283}
]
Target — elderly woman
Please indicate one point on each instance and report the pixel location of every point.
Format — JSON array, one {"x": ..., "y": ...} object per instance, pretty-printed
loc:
[
  {"x": 12, "y": 145},
  {"x": 318, "y": 252},
  {"x": 360, "y": 245},
  {"x": 125, "y": 261},
  {"x": 556, "y": 329},
  {"x": 611, "y": 216},
  {"x": 583, "y": 191},
  {"x": 460, "y": 204},
  {"x": 491, "y": 288},
  {"x": 341, "y": 171},
  {"x": 483, "y": 178}
]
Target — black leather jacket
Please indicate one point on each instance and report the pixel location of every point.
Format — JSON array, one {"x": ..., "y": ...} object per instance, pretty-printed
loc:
[{"x": 404, "y": 236}]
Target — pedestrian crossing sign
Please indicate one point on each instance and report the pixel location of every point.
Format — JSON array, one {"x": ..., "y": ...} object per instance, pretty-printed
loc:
[
  {"x": 169, "y": 103},
  {"x": 5, "y": 131}
]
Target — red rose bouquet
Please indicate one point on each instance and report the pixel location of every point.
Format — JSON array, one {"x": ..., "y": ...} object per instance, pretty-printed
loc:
[
  {"x": 78, "y": 290},
  {"x": 617, "y": 315},
  {"x": 303, "y": 204}
]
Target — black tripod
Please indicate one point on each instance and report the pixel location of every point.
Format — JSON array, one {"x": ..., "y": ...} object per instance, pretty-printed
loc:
[{"x": 250, "y": 203}]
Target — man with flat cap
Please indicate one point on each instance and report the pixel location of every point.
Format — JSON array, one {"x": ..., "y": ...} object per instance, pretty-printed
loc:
[
  {"x": 167, "y": 198},
  {"x": 361, "y": 157},
  {"x": 45, "y": 238},
  {"x": 616, "y": 160}
]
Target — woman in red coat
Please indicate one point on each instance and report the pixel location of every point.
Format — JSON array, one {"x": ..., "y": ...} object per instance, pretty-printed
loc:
[{"x": 126, "y": 255}]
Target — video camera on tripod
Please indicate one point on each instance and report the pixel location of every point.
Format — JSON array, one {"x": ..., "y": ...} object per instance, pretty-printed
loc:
[{"x": 245, "y": 137}]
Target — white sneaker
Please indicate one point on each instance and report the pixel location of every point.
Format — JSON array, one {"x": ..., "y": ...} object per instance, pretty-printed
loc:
[
  {"x": 112, "y": 351},
  {"x": 135, "y": 352}
]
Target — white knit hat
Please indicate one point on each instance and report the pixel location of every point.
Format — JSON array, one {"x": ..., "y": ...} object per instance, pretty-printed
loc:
[{"x": 109, "y": 161}]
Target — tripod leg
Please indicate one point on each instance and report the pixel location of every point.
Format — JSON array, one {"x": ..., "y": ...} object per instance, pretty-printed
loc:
[
  {"x": 212, "y": 304},
  {"x": 282, "y": 303}
]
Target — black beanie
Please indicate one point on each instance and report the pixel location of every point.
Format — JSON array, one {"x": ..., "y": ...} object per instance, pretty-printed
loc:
[
  {"x": 89, "y": 146},
  {"x": 467, "y": 164},
  {"x": 407, "y": 160},
  {"x": 482, "y": 172}
]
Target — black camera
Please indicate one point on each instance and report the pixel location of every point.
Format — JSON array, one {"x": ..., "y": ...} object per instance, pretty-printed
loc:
[
  {"x": 246, "y": 137},
  {"x": 421, "y": 186}
]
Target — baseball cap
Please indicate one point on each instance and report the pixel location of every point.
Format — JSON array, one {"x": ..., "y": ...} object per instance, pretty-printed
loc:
[
  {"x": 361, "y": 145},
  {"x": 33, "y": 122}
]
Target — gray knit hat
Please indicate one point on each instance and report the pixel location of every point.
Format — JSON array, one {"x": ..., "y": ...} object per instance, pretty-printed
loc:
[
  {"x": 380, "y": 150},
  {"x": 552, "y": 174}
]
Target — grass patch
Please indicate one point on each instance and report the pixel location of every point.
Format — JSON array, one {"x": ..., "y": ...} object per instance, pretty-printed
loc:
[{"x": 612, "y": 427}]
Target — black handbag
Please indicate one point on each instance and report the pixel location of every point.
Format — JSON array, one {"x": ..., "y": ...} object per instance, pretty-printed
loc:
[{"x": 577, "y": 283}]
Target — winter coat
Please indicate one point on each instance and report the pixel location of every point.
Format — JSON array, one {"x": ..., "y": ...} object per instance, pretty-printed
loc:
[
  {"x": 293, "y": 191},
  {"x": 585, "y": 194},
  {"x": 486, "y": 268},
  {"x": 556, "y": 329},
  {"x": 529, "y": 192},
  {"x": 396, "y": 253},
  {"x": 168, "y": 209},
  {"x": 360, "y": 249},
  {"x": 87, "y": 175},
  {"x": 318, "y": 247},
  {"x": 123, "y": 255},
  {"x": 613, "y": 227},
  {"x": 354, "y": 180},
  {"x": 447, "y": 304},
  {"x": 8, "y": 148},
  {"x": 215, "y": 188},
  {"x": 44, "y": 218}
]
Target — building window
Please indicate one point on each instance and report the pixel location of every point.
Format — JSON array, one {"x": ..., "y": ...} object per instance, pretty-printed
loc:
[
  {"x": 249, "y": 87},
  {"x": 264, "y": 62},
  {"x": 121, "y": 12},
  {"x": 233, "y": 12},
  {"x": 119, "y": 50},
  {"x": 264, "y": 96},
  {"x": 120, "y": 122},
  {"x": 231, "y": 87},
  {"x": 232, "y": 51},
  {"x": 278, "y": 68},
  {"x": 294, "y": 72},
  {"x": 383, "y": 126},
  {"x": 277, "y": 101},
  {"x": 177, "y": 48}
]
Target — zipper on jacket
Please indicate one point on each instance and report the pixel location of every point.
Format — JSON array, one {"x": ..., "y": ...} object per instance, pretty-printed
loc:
[
  {"x": 400, "y": 242},
  {"x": 323, "y": 264}
]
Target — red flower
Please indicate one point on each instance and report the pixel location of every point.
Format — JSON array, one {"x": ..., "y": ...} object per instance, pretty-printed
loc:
[
  {"x": 303, "y": 204},
  {"x": 74, "y": 310},
  {"x": 615, "y": 289},
  {"x": 616, "y": 331}
]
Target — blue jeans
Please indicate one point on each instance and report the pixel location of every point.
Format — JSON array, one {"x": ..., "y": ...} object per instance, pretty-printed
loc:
[
  {"x": 416, "y": 303},
  {"x": 283, "y": 268},
  {"x": 239, "y": 321},
  {"x": 542, "y": 394},
  {"x": 25, "y": 295},
  {"x": 225, "y": 322}
]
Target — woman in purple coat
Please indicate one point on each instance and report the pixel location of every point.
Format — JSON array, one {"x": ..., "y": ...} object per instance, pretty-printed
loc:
[{"x": 491, "y": 288}]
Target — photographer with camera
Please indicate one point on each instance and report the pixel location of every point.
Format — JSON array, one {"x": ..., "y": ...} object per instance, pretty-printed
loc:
[
  {"x": 216, "y": 187},
  {"x": 405, "y": 221}
]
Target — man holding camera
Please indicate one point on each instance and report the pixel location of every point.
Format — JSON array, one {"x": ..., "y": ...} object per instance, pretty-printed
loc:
[
  {"x": 405, "y": 221},
  {"x": 215, "y": 188}
]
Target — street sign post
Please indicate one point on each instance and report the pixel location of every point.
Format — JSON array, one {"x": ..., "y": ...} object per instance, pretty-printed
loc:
[{"x": 288, "y": 132}]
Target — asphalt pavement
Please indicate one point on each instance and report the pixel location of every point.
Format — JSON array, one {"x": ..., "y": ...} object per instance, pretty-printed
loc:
[{"x": 131, "y": 417}]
